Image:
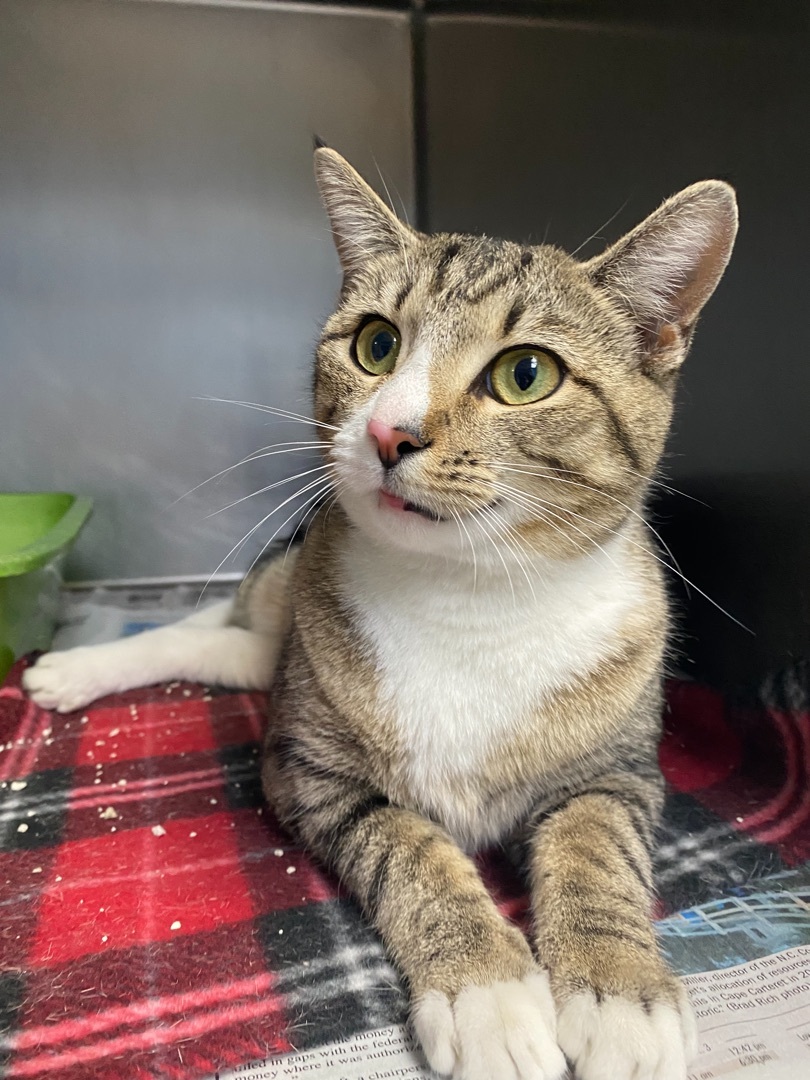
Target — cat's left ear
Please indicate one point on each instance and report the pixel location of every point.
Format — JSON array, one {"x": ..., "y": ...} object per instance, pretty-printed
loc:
[
  {"x": 362, "y": 225},
  {"x": 665, "y": 270}
]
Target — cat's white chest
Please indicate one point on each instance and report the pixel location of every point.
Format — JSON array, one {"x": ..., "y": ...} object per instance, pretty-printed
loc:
[{"x": 461, "y": 670}]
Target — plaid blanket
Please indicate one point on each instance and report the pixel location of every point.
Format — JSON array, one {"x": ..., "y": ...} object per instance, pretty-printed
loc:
[{"x": 157, "y": 922}]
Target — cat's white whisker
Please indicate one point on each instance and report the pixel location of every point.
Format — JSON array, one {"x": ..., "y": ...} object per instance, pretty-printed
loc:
[
  {"x": 530, "y": 501},
  {"x": 513, "y": 496},
  {"x": 255, "y": 455},
  {"x": 319, "y": 480},
  {"x": 338, "y": 484},
  {"x": 290, "y": 517},
  {"x": 333, "y": 501},
  {"x": 675, "y": 569},
  {"x": 665, "y": 486},
  {"x": 530, "y": 471},
  {"x": 250, "y": 533},
  {"x": 503, "y": 529},
  {"x": 311, "y": 513},
  {"x": 524, "y": 551},
  {"x": 271, "y": 487},
  {"x": 272, "y": 410},
  {"x": 481, "y": 520},
  {"x": 642, "y": 547},
  {"x": 463, "y": 527}
]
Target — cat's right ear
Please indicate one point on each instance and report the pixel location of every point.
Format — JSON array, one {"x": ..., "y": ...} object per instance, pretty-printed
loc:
[
  {"x": 362, "y": 225},
  {"x": 665, "y": 270}
]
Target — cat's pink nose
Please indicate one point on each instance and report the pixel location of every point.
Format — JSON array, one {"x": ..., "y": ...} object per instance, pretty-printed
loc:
[{"x": 392, "y": 443}]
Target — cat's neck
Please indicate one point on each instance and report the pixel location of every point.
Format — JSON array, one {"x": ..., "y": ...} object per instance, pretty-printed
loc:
[{"x": 456, "y": 590}]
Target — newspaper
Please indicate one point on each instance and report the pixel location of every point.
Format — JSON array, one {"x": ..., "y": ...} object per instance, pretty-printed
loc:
[{"x": 753, "y": 1019}]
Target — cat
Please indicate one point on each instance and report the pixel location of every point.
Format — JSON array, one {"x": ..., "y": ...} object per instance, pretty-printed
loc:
[{"x": 467, "y": 648}]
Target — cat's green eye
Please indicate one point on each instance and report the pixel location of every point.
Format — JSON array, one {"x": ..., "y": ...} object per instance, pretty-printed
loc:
[
  {"x": 376, "y": 347},
  {"x": 524, "y": 375}
]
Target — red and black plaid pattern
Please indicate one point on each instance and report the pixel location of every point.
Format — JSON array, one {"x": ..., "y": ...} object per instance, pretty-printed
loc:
[
  {"x": 739, "y": 780},
  {"x": 157, "y": 923}
]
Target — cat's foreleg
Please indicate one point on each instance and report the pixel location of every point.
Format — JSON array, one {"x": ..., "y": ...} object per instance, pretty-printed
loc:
[
  {"x": 201, "y": 648},
  {"x": 621, "y": 1012},
  {"x": 481, "y": 1007}
]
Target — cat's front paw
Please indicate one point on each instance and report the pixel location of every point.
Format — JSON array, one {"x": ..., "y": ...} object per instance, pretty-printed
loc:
[
  {"x": 505, "y": 1031},
  {"x": 68, "y": 680},
  {"x": 617, "y": 1038}
]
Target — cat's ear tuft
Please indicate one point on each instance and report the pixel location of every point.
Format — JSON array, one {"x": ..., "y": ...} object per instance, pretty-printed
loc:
[
  {"x": 665, "y": 269},
  {"x": 362, "y": 225}
]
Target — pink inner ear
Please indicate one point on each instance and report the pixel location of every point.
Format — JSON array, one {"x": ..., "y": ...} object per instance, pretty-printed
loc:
[
  {"x": 666, "y": 268},
  {"x": 668, "y": 336},
  {"x": 663, "y": 348}
]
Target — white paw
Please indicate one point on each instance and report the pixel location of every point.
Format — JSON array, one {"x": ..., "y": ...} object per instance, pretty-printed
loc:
[
  {"x": 68, "y": 680},
  {"x": 501, "y": 1032},
  {"x": 618, "y": 1039}
]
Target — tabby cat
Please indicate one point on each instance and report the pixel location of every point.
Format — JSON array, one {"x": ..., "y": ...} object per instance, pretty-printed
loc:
[{"x": 467, "y": 648}]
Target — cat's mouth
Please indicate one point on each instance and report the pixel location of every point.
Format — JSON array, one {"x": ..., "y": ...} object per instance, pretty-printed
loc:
[{"x": 394, "y": 502}]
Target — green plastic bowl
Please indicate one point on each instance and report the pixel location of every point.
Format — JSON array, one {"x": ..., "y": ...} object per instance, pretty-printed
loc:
[{"x": 36, "y": 530}]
